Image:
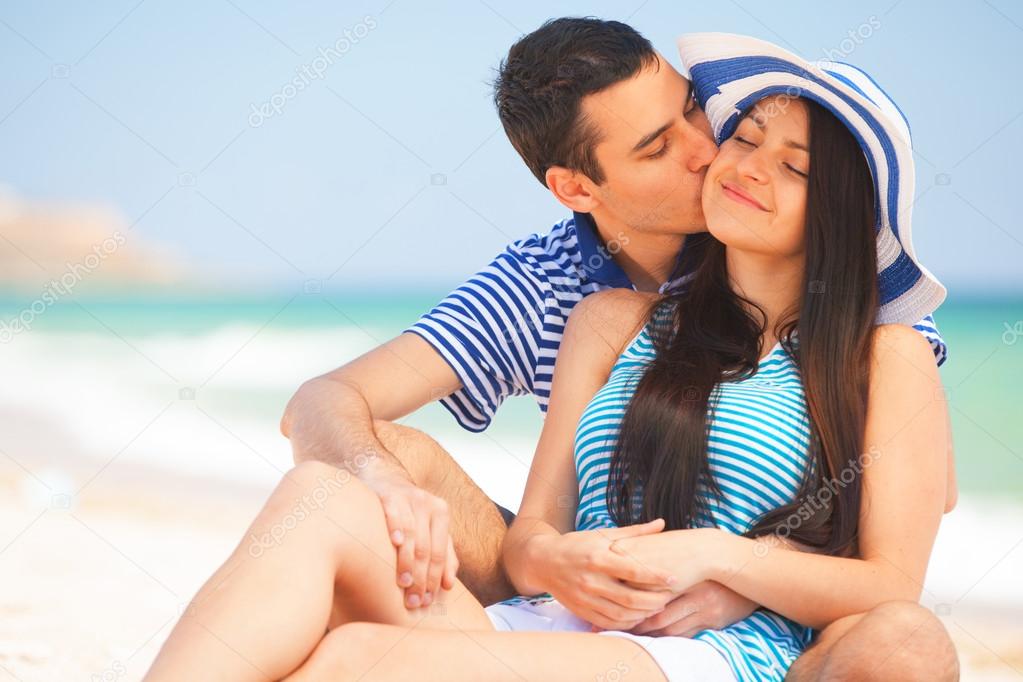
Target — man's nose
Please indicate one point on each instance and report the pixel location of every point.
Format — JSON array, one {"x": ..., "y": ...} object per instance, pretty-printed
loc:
[{"x": 701, "y": 148}]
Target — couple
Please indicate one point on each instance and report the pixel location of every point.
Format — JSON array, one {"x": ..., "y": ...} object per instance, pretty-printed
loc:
[{"x": 745, "y": 452}]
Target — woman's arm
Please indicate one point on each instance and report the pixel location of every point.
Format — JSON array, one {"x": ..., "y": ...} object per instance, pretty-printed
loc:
[
  {"x": 593, "y": 340},
  {"x": 541, "y": 553},
  {"x": 904, "y": 492}
]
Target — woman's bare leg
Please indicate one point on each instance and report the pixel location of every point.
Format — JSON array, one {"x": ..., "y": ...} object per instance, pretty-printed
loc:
[
  {"x": 319, "y": 545},
  {"x": 369, "y": 652}
]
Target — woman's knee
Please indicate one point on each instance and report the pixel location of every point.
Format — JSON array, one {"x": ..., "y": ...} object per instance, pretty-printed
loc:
[
  {"x": 314, "y": 490},
  {"x": 347, "y": 652}
]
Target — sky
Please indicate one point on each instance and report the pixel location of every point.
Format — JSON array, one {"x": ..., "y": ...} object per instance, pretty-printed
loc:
[{"x": 355, "y": 144}]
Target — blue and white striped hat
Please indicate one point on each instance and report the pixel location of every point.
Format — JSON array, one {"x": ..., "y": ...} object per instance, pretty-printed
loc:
[{"x": 731, "y": 73}]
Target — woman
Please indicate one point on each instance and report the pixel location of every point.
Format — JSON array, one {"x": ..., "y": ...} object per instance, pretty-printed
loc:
[{"x": 739, "y": 413}]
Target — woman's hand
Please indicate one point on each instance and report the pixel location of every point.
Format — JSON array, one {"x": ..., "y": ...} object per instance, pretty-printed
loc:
[
  {"x": 705, "y": 606},
  {"x": 583, "y": 574},
  {"x": 686, "y": 555},
  {"x": 708, "y": 605}
]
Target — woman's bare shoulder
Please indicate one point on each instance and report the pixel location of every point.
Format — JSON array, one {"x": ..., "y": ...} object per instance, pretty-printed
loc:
[
  {"x": 613, "y": 315},
  {"x": 901, "y": 346}
]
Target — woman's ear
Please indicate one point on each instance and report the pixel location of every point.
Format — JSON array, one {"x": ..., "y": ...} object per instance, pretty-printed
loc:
[{"x": 571, "y": 188}]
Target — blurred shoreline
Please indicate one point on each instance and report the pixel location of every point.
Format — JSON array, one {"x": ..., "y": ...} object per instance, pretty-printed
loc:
[{"x": 224, "y": 368}]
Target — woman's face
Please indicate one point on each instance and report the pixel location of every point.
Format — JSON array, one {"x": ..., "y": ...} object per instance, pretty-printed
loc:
[{"x": 754, "y": 195}]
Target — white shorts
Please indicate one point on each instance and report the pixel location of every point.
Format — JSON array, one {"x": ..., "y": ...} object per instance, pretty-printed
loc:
[{"x": 680, "y": 659}]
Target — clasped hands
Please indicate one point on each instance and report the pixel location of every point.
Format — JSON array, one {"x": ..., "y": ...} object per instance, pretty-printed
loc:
[{"x": 642, "y": 579}]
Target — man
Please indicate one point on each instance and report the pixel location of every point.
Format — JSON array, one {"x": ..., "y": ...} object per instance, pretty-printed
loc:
[{"x": 613, "y": 131}]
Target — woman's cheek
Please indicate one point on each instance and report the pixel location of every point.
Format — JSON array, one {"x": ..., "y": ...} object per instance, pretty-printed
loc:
[
  {"x": 796, "y": 219},
  {"x": 725, "y": 159}
]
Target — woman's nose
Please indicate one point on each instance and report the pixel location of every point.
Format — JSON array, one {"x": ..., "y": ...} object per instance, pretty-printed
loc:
[{"x": 751, "y": 166}]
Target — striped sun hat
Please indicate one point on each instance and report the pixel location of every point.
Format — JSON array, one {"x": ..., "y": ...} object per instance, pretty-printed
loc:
[{"x": 731, "y": 73}]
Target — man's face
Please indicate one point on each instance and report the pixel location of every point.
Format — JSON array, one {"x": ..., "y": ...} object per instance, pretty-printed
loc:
[{"x": 655, "y": 150}]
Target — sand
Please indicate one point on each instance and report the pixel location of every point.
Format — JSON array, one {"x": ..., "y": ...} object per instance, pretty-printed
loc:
[{"x": 94, "y": 581}]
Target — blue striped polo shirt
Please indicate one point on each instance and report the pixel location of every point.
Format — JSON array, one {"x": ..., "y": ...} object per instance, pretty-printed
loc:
[{"x": 500, "y": 330}]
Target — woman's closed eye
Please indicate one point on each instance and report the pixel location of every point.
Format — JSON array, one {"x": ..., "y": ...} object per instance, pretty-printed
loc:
[
  {"x": 800, "y": 173},
  {"x": 742, "y": 140}
]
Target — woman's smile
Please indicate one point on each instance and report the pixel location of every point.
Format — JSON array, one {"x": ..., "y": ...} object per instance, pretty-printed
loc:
[{"x": 739, "y": 195}]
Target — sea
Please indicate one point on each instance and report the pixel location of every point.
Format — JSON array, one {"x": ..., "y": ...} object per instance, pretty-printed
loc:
[{"x": 108, "y": 369}]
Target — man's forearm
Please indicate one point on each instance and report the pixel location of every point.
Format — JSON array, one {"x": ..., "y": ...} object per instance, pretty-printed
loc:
[{"x": 329, "y": 421}]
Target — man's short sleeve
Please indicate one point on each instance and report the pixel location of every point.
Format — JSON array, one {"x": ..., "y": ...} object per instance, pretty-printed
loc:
[
  {"x": 929, "y": 329},
  {"x": 488, "y": 331}
]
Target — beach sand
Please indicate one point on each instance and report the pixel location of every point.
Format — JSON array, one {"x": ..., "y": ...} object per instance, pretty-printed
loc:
[{"x": 95, "y": 581}]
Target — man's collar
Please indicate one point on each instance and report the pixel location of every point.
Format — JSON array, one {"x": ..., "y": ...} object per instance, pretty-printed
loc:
[{"x": 598, "y": 264}]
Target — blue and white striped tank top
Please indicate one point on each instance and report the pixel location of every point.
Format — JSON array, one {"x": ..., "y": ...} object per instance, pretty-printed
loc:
[{"x": 757, "y": 453}]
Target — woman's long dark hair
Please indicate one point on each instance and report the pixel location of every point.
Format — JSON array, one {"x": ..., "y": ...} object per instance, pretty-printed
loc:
[{"x": 713, "y": 335}]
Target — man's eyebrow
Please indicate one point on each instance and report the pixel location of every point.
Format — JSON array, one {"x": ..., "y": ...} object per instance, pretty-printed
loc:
[
  {"x": 647, "y": 139},
  {"x": 790, "y": 143}
]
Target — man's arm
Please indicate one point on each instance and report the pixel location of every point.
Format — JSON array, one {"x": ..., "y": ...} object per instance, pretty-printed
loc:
[
  {"x": 330, "y": 419},
  {"x": 473, "y": 350},
  {"x": 929, "y": 328}
]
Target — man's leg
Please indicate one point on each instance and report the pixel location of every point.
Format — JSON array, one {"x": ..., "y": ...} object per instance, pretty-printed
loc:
[
  {"x": 477, "y": 527},
  {"x": 895, "y": 641}
]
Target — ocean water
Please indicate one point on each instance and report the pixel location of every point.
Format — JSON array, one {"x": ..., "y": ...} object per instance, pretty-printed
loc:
[{"x": 200, "y": 385}]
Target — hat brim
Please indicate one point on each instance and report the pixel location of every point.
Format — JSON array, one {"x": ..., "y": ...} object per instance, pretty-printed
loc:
[{"x": 731, "y": 73}]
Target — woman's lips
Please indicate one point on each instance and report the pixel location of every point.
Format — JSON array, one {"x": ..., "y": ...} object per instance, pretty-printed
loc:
[{"x": 736, "y": 194}]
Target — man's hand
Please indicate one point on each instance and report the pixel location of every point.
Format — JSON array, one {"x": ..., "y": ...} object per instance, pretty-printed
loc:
[
  {"x": 705, "y": 606},
  {"x": 587, "y": 577},
  {"x": 330, "y": 418},
  {"x": 418, "y": 525}
]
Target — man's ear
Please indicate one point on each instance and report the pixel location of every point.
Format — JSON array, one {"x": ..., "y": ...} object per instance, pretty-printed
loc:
[{"x": 571, "y": 188}]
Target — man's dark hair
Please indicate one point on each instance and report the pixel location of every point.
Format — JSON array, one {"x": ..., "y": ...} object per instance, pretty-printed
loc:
[{"x": 547, "y": 73}]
